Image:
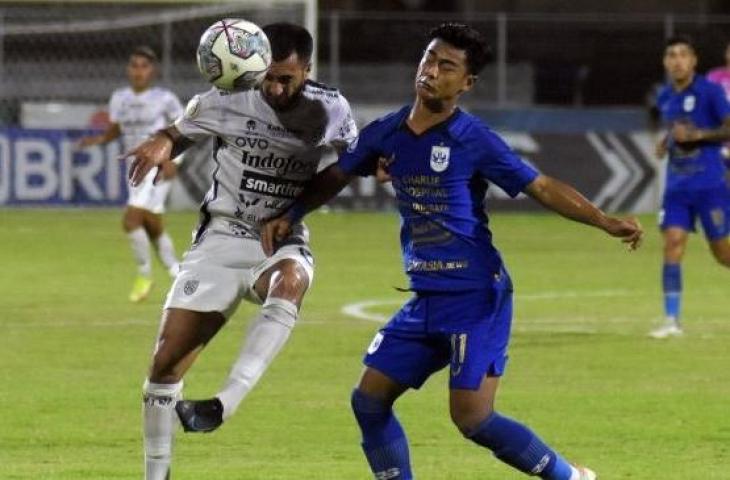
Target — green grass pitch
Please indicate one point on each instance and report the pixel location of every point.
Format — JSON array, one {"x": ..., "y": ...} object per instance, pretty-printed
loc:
[{"x": 582, "y": 372}]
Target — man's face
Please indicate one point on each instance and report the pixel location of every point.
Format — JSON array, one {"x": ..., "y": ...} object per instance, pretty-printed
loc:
[
  {"x": 442, "y": 73},
  {"x": 680, "y": 62},
  {"x": 284, "y": 81},
  {"x": 727, "y": 55},
  {"x": 140, "y": 72}
]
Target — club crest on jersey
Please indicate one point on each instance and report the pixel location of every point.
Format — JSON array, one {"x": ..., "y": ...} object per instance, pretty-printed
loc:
[
  {"x": 689, "y": 103},
  {"x": 440, "y": 158},
  {"x": 191, "y": 286}
]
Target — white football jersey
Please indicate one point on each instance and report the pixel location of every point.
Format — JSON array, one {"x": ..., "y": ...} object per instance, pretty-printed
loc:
[
  {"x": 139, "y": 115},
  {"x": 264, "y": 157}
]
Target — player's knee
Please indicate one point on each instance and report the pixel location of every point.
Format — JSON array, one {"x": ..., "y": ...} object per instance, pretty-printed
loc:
[
  {"x": 673, "y": 249},
  {"x": 289, "y": 281},
  {"x": 129, "y": 224},
  {"x": 366, "y": 406},
  {"x": 468, "y": 418}
]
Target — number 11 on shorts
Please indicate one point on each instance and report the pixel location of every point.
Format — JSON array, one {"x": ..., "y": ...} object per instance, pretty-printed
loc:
[{"x": 458, "y": 352}]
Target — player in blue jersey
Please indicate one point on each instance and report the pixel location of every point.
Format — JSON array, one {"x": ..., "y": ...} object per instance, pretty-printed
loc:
[
  {"x": 697, "y": 115},
  {"x": 440, "y": 161}
]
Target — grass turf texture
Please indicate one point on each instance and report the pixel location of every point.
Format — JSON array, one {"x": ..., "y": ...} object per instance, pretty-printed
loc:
[{"x": 582, "y": 372}]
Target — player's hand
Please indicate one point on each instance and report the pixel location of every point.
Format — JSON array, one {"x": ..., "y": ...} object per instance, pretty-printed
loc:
[
  {"x": 382, "y": 173},
  {"x": 629, "y": 230},
  {"x": 149, "y": 154},
  {"x": 661, "y": 149},
  {"x": 686, "y": 132},
  {"x": 274, "y": 232},
  {"x": 166, "y": 171}
]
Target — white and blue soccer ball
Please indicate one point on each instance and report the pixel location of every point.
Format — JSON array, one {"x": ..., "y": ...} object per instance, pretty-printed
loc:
[{"x": 234, "y": 54}]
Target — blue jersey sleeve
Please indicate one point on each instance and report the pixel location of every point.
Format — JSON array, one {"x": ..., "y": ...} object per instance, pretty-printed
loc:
[
  {"x": 720, "y": 105},
  {"x": 502, "y": 166},
  {"x": 361, "y": 157}
]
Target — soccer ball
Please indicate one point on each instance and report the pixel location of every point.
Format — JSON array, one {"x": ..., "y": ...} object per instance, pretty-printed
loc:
[{"x": 234, "y": 54}]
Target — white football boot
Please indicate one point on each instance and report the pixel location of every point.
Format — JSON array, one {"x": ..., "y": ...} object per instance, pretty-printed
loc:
[{"x": 670, "y": 328}]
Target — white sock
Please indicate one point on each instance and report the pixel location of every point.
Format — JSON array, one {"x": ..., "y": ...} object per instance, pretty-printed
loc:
[
  {"x": 166, "y": 252},
  {"x": 140, "y": 243},
  {"x": 160, "y": 422},
  {"x": 575, "y": 474},
  {"x": 268, "y": 332}
]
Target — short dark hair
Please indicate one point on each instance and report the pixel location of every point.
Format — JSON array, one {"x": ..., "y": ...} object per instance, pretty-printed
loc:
[
  {"x": 146, "y": 52},
  {"x": 463, "y": 37},
  {"x": 287, "y": 38},
  {"x": 680, "y": 40}
]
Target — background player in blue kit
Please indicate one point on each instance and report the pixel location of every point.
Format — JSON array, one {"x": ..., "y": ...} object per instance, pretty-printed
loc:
[
  {"x": 440, "y": 160},
  {"x": 698, "y": 117}
]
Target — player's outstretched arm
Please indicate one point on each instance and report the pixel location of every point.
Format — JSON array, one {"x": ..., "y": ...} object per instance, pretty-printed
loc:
[
  {"x": 565, "y": 200},
  {"x": 322, "y": 188},
  {"x": 111, "y": 133},
  {"x": 153, "y": 152}
]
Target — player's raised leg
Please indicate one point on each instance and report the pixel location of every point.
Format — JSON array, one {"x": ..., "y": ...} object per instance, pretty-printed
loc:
[
  {"x": 162, "y": 242},
  {"x": 384, "y": 441},
  {"x": 183, "y": 335},
  {"x": 472, "y": 411},
  {"x": 675, "y": 244},
  {"x": 133, "y": 224},
  {"x": 283, "y": 287}
]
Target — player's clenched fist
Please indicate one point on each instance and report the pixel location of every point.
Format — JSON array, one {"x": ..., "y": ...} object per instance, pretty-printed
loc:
[{"x": 151, "y": 153}]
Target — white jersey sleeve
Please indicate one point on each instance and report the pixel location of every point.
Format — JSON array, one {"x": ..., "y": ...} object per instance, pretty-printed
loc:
[
  {"x": 115, "y": 107},
  {"x": 202, "y": 116}
]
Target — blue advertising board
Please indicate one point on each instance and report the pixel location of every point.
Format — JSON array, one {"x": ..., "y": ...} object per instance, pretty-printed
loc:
[{"x": 45, "y": 167}]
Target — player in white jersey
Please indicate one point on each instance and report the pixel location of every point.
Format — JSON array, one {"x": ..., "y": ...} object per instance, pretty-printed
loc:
[
  {"x": 136, "y": 112},
  {"x": 269, "y": 142}
]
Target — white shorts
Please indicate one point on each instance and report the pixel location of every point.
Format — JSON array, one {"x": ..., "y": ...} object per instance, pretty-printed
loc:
[
  {"x": 149, "y": 196},
  {"x": 223, "y": 267}
]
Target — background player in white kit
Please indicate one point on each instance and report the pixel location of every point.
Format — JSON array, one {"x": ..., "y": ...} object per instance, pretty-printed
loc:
[
  {"x": 269, "y": 142},
  {"x": 136, "y": 112}
]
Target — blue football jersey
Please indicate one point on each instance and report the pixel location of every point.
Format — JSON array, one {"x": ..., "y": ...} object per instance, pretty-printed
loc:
[
  {"x": 694, "y": 165},
  {"x": 441, "y": 177}
]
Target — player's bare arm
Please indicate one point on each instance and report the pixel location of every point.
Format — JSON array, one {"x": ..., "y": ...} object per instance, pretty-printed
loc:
[
  {"x": 322, "y": 188},
  {"x": 112, "y": 132},
  {"x": 568, "y": 202},
  {"x": 158, "y": 149},
  {"x": 685, "y": 132}
]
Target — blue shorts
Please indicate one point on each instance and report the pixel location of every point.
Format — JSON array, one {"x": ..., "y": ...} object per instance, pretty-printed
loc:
[
  {"x": 467, "y": 330},
  {"x": 712, "y": 207}
]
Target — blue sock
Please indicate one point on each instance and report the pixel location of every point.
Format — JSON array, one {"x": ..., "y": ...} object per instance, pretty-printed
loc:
[
  {"x": 672, "y": 286},
  {"x": 517, "y": 446},
  {"x": 383, "y": 439}
]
